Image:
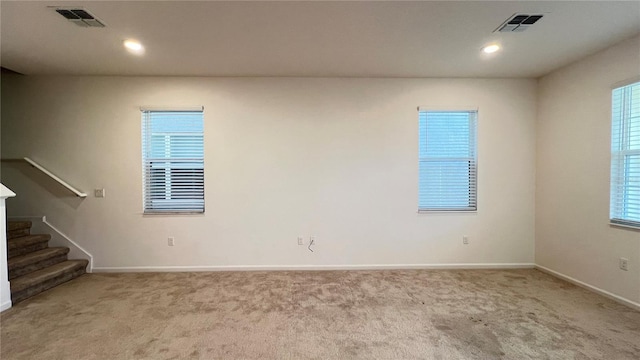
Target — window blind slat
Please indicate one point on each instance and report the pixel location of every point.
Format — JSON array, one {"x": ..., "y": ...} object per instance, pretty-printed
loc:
[{"x": 173, "y": 161}]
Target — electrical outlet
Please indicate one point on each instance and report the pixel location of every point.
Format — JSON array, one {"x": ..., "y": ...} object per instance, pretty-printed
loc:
[
  {"x": 99, "y": 193},
  {"x": 465, "y": 240},
  {"x": 300, "y": 240},
  {"x": 624, "y": 264},
  {"x": 171, "y": 241}
]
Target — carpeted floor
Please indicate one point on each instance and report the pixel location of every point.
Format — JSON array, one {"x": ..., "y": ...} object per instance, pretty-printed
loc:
[{"x": 408, "y": 314}]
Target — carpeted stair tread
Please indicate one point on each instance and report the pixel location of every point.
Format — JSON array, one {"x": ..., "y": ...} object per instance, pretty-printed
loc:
[
  {"x": 36, "y": 256},
  {"x": 27, "y": 240},
  {"x": 35, "y": 267},
  {"x": 41, "y": 276},
  {"x": 33, "y": 261},
  {"x": 26, "y": 244},
  {"x": 17, "y": 229},
  {"x": 18, "y": 225}
]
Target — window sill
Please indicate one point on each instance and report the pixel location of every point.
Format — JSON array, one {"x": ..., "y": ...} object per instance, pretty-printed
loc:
[
  {"x": 173, "y": 213},
  {"x": 630, "y": 227},
  {"x": 442, "y": 212}
]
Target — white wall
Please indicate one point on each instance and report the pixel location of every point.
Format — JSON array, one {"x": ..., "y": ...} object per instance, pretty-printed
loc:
[
  {"x": 336, "y": 158},
  {"x": 573, "y": 235}
]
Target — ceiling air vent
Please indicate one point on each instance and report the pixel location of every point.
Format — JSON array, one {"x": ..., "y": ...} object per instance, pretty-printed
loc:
[
  {"x": 80, "y": 17},
  {"x": 518, "y": 23}
]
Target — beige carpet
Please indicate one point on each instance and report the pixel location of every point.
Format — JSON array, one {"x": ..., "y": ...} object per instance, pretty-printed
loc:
[{"x": 412, "y": 314}]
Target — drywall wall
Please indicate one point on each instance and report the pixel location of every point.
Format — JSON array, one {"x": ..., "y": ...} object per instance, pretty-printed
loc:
[
  {"x": 284, "y": 157},
  {"x": 573, "y": 235}
]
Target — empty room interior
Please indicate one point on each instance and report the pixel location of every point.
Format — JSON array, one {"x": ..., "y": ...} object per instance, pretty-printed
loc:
[{"x": 320, "y": 180}]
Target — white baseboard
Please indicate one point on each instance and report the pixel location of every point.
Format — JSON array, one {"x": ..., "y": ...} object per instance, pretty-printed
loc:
[
  {"x": 5, "y": 305},
  {"x": 595, "y": 289},
  {"x": 310, "y": 267},
  {"x": 58, "y": 238}
]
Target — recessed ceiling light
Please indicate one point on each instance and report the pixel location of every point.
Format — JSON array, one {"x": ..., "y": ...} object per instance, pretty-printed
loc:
[
  {"x": 490, "y": 49},
  {"x": 134, "y": 46}
]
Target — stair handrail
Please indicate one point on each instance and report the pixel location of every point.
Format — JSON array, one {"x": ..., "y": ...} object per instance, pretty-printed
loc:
[{"x": 77, "y": 192}]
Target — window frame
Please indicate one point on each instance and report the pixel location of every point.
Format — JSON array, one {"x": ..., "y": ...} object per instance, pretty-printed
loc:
[
  {"x": 472, "y": 200},
  {"x": 619, "y": 165},
  {"x": 170, "y": 165}
]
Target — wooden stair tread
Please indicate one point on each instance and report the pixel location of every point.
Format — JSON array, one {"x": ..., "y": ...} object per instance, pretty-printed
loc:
[
  {"x": 27, "y": 240},
  {"x": 23, "y": 282},
  {"x": 36, "y": 256}
]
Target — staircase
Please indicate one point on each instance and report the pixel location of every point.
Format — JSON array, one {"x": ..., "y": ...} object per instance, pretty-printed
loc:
[{"x": 34, "y": 266}]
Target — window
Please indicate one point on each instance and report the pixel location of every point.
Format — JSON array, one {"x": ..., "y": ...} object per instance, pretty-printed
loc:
[
  {"x": 173, "y": 161},
  {"x": 625, "y": 156},
  {"x": 448, "y": 161}
]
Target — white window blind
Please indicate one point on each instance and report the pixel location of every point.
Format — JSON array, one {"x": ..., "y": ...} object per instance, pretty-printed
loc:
[
  {"x": 448, "y": 161},
  {"x": 173, "y": 161},
  {"x": 625, "y": 156}
]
